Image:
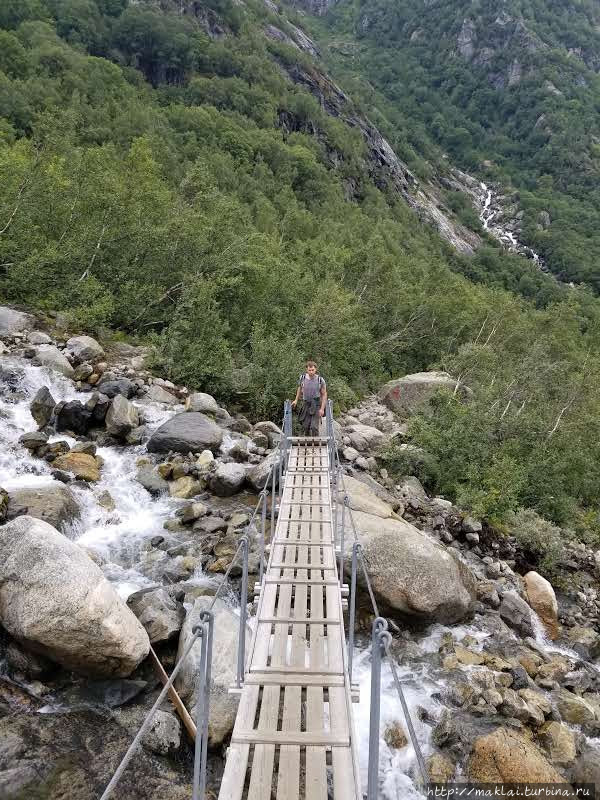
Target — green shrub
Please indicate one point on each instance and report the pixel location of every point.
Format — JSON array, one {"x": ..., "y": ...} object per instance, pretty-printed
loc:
[{"x": 543, "y": 539}]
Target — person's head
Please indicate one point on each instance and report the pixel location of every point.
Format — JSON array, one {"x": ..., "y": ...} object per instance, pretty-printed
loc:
[{"x": 311, "y": 369}]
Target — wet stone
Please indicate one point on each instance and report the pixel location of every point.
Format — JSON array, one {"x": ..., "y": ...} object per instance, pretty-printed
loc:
[
  {"x": 33, "y": 441},
  {"x": 210, "y": 525}
]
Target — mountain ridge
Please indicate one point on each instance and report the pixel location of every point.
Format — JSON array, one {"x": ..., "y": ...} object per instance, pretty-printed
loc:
[{"x": 510, "y": 92}]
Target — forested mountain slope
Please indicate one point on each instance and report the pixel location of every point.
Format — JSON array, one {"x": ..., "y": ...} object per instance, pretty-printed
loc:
[
  {"x": 188, "y": 173},
  {"x": 509, "y": 90}
]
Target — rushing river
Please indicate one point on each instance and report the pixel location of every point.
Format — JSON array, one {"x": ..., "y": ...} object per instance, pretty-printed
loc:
[{"x": 117, "y": 534}]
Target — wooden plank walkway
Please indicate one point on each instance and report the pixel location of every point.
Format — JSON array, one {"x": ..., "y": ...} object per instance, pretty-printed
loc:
[{"x": 293, "y": 738}]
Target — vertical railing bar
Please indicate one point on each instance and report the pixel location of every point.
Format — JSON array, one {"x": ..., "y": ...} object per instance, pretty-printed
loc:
[
  {"x": 334, "y": 507},
  {"x": 210, "y": 622},
  {"x": 263, "y": 524},
  {"x": 281, "y": 457},
  {"x": 241, "y": 665},
  {"x": 342, "y": 532},
  {"x": 352, "y": 610},
  {"x": 272, "y": 507},
  {"x": 197, "y": 794},
  {"x": 378, "y": 637}
]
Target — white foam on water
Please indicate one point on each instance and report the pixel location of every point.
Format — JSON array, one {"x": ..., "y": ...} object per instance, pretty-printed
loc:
[
  {"x": 398, "y": 768},
  {"x": 118, "y": 535}
]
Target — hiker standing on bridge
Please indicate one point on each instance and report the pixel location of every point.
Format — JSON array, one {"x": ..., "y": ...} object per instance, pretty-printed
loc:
[{"x": 313, "y": 389}]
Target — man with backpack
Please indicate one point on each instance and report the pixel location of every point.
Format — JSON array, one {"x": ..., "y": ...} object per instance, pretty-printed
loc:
[{"x": 313, "y": 389}]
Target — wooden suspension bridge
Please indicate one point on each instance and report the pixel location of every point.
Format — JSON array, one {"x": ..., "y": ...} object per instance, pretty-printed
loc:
[{"x": 294, "y": 736}]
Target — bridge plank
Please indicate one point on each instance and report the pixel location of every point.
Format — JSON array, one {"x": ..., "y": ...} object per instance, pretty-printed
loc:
[
  {"x": 232, "y": 786},
  {"x": 261, "y": 777}
]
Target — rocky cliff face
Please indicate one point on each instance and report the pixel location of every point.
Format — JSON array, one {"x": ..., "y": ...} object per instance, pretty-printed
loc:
[
  {"x": 316, "y": 7},
  {"x": 487, "y": 45},
  {"x": 387, "y": 171}
]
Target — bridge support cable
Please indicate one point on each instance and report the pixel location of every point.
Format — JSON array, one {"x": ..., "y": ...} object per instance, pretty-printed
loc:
[
  {"x": 204, "y": 634},
  {"x": 381, "y": 639}
]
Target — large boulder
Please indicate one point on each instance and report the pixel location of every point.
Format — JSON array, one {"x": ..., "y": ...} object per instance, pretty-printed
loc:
[
  {"x": 270, "y": 430},
  {"x": 365, "y": 437},
  {"x": 505, "y": 756},
  {"x": 185, "y": 487},
  {"x": 227, "y": 479},
  {"x": 223, "y": 706},
  {"x": 361, "y": 498},
  {"x": 157, "y": 394},
  {"x": 202, "y": 403},
  {"x": 122, "y": 417},
  {"x": 587, "y": 767},
  {"x": 38, "y": 337},
  {"x": 186, "y": 432},
  {"x": 412, "y": 573},
  {"x": 54, "y": 504},
  {"x": 34, "y": 440},
  {"x": 74, "y": 417},
  {"x": 585, "y": 642},
  {"x": 42, "y": 406},
  {"x": 12, "y": 321},
  {"x": 164, "y": 735},
  {"x": 55, "y": 600},
  {"x": 573, "y": 708},
  {"x": 47, "y": 355},
  {"x": 84, "y": 348},
  {"x": 111, "y": 388},
  {"x": 73, "y": 756},
  {"x": 412, "y": 393},
  {"x": 541, "y": 597},
  {"x": 259, "y": 474},
  {"x": 559, "y": 742},
  {"x": 159, "y": 613},
  {"x": 516, "y": 613}
]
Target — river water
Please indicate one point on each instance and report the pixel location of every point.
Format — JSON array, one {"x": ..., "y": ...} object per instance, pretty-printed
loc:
[{"x": 118, "y": 536}]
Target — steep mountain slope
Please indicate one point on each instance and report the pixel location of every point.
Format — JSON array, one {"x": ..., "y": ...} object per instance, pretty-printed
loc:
[
  {"x": 189, "y": 173},
  {"x": 508, "y": 90}
]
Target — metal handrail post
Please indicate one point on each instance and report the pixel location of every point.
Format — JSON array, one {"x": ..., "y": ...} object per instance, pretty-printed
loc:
[
  {"x": 209, "y": 620},
  {"x": 280, "y": 490},
  {"x": 287, "y": 430},
  {"x": 205, "y": 631},
  {"x": 263, "y": 524},
  {"x": 334, "y": 505},
  {"x": 342, "y": 532},
  {"x": 330, "y": 434},
  {"x": 352, "y": 609},
  {"x": 241, "y": 662},
  {"x": 202, "y": 631},
  {"x": 279, "y": 464},
  {"x": 272, "y": 505},
  {"x": 378, "y": 641}
]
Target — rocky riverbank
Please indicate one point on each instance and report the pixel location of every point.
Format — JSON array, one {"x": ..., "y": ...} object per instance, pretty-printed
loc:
[{"x": 123, "y": 499}]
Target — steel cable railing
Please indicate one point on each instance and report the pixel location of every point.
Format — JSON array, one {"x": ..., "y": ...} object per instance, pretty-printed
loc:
[
  {"x": 381, "y": 638},
  {"x": 204, "y": 631},
  {"x": 198, "y": 632}
]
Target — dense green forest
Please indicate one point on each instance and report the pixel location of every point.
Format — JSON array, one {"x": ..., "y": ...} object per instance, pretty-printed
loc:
[
  {"x": 508, "y": 90},
  {"x": 163, "y": 177}
]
